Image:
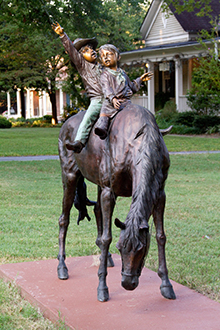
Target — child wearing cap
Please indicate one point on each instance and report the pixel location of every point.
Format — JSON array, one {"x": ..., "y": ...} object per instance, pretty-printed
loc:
[{"x": 83, "y": 55}]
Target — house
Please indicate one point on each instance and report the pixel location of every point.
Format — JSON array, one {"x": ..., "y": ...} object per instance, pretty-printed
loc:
[
  {"x": 37, "y": 104},
  {"x": 171, "y": 49}
]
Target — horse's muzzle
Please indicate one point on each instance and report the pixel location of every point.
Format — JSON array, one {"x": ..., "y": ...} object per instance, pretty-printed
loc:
[{"x": 129, "y": 282}]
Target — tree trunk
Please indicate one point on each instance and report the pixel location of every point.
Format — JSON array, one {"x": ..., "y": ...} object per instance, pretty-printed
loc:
[
  {"x": 23, "y": 109},
  {"x": 54, "y": 106}
]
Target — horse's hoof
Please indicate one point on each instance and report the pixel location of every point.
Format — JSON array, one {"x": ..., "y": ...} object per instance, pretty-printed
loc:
[
  {"x": 110, "y": 262},
  {"x": 167, "y": 292},
  {"x": 102, "y": 294},
  {"x": 62, "y": 272}
]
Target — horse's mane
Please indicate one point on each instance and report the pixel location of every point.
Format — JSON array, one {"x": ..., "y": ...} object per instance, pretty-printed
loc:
[{"x": 151, "y": 155}]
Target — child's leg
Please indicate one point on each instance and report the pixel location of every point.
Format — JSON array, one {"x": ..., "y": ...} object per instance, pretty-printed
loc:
[{"x": 91, "y": 115}]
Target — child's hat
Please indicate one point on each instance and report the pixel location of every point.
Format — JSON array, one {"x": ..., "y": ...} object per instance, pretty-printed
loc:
[{"x": 79, "y": 43}]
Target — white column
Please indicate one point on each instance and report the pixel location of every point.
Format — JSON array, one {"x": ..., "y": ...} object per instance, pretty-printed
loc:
[
  {"x": 40, "y": 104},
  {"x": 61, "y": 101},
  {"x": 18, "y": 103},
  {"x": 178, "y": 81},
  {"x": 9, "y": 103},
  {"x": 28, "y": 114},
  {"x": 150, "y": 87},
  {"x": 44, "y": 103},
  {"x": 32, "y": 103}
]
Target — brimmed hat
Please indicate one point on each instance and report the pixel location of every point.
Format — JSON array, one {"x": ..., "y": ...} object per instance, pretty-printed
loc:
[{"x": 79, "y": 43}]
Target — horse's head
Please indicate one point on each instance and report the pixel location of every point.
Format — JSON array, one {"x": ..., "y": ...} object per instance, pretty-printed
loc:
[{"x": 133, "y": 246}]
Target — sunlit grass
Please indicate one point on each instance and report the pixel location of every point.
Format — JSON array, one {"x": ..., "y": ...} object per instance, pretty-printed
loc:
[
  {"x": 29, "y": 141},
  {"x": 44, "y": 141}
]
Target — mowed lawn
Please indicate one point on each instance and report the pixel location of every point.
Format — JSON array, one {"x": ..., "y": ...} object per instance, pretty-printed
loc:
[
  {"x": 44, "y": 141},
  {"x": 31, "y": 201}
]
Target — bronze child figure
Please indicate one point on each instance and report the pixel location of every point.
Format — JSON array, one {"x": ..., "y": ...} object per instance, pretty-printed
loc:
[
  {"x": 82, "y": 53},
  {"x": 116, "y": 86}
]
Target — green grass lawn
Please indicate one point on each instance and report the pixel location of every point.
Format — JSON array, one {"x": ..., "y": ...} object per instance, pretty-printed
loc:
[
  {"x": 44, "y": 140},
  {"x": 191, "y": 143},
  {"x": 29, "y": 141}
]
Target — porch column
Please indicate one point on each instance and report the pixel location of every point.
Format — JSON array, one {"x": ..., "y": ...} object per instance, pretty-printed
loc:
[
  {"x": 40, "y": 104},
  {"x": 9, "y": 103},
  {"x": 28, "y": 115},
  {"x": 18, "y": 103},
  {"x": 44, "y": 103},
  {"x": 32, "y": 103},
  {"x": 178, "y": 82},
  {"x": 61, "y": 101},
  {"x": 150, "y": 88}
]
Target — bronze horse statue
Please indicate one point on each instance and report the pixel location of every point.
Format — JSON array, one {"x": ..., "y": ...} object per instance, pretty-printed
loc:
[{"x": 132, "y": 161}]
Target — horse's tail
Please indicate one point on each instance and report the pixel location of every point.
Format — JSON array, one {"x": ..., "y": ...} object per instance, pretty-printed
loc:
[{"x": 154, "y": 162}]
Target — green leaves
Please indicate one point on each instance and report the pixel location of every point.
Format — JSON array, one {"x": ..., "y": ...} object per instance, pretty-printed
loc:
[{"x": 204, "y": 96}]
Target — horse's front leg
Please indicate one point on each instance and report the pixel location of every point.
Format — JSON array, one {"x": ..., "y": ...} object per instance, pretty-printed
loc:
[
  {"x": 107, "y": 207},
  {"x": 98, "y": 216},
  {"x": 69, "y": 187},
  {"x": 166, "y": 287}
]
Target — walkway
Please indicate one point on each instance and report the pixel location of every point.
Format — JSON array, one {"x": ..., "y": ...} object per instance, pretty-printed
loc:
[
  {"x": 75, "y": 300},
  {"x": 56, "y": 157}
]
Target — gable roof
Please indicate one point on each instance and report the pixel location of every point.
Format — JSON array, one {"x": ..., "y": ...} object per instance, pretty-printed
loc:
[{"x": 189, "y": 21}]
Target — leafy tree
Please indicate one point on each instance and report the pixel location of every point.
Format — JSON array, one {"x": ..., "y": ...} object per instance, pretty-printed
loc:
[
  {"x": 28, "y": 57},
  {"x": 31, "y": 54},
  {"x": 204, "y": 96},
  {"x": 203, "y": 7},
  {"x": 121, "y": 22}
]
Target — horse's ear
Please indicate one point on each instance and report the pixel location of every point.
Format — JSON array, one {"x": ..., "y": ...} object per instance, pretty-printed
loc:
[
  {"x": 119, "y": 224},
  {"x": 144, "y": 225}
]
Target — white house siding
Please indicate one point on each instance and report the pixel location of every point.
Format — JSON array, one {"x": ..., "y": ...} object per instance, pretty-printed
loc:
[{"x": 164, "y": 31}]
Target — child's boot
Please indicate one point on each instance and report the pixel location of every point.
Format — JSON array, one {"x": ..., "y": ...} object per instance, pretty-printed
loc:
[
  {"x": 76, "y": 146},
  {"x": 101, "y": 127}
]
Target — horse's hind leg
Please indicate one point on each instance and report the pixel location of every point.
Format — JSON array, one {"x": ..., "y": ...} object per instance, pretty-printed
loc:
[
  {"x": 166, "y": 287},
  {"x": 69, "y": 186}
]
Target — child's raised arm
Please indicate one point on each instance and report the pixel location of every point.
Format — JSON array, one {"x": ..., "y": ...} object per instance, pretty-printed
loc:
[{"x": 58, "y": 29}]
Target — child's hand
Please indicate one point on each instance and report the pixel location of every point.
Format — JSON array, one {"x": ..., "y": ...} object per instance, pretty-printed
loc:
[
  {"x": 116, "y": 103},
  {"x": 57, "y": 28},
  {"x": 146, "y": 76}
]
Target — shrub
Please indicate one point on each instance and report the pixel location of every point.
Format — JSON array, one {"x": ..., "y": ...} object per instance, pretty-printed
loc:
[
  {"x": 167, "y": 115},
  {"x": 32, "y": 122},
  {"x": 214, "y": 129},
  {"x": 47, "y": 118},
  {"x": 185, "y": 118},
  {"x": 205, "y": 122},
  {"x": 204, "y": 102},
  {"x": 169, "y": 111},
  {"x": 4, "y": 122},
  {"x": 18, "y": 123},
  {"x": 199, "y": 123},
  {"x": 182, "y": 129}
]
